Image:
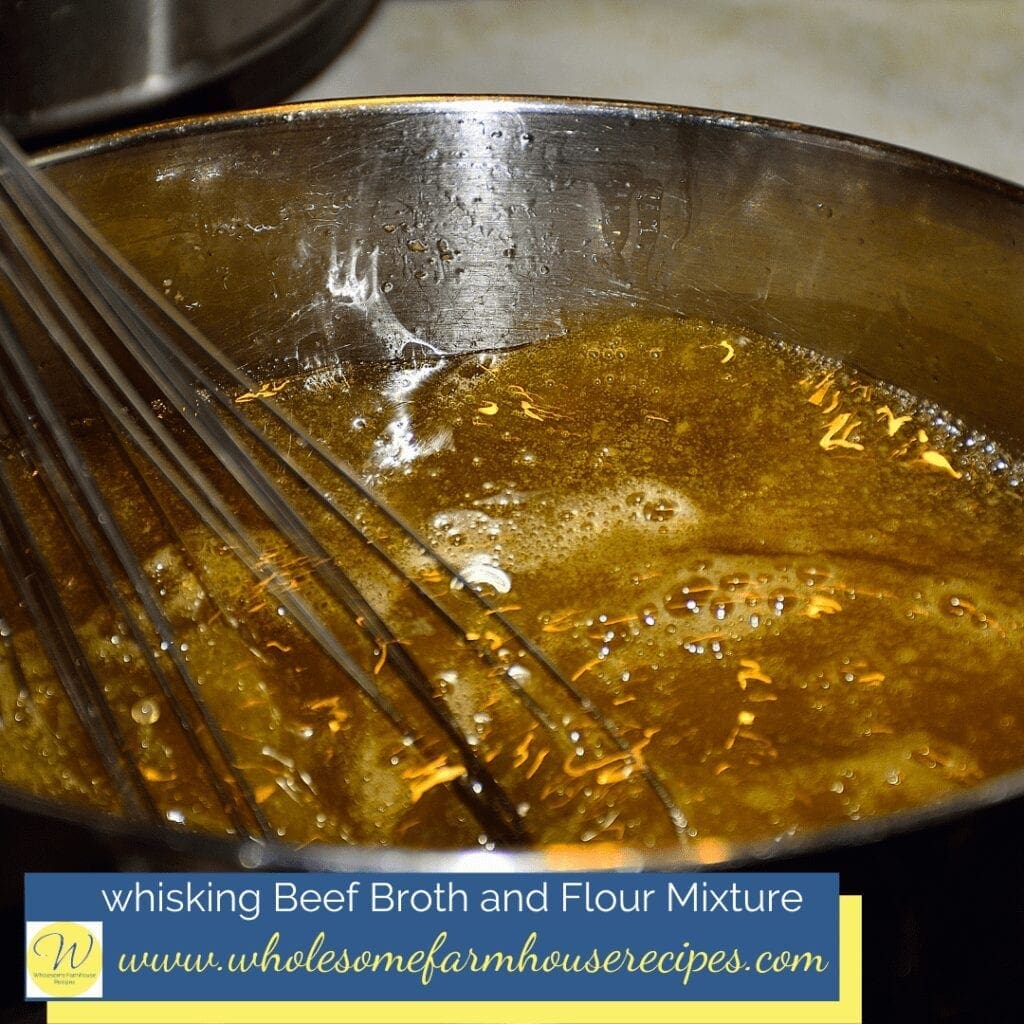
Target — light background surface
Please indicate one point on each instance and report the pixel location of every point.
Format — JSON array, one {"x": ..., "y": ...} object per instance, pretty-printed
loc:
[{"x": 942, "y": 76}]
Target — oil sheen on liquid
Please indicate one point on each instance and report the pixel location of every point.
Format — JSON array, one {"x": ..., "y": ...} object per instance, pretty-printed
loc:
[{"x": 772, "y": 597}]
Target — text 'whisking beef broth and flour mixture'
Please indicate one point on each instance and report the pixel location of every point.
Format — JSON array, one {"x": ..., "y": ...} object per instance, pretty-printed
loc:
[{"x": 778, "y": 597}]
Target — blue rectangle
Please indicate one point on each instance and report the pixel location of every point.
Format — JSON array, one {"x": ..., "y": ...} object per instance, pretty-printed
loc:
[{"x": 596, "y": 936}]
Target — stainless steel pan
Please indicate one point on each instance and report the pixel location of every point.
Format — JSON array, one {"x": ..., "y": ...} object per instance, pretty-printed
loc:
[{"x": 302, "y": 235}]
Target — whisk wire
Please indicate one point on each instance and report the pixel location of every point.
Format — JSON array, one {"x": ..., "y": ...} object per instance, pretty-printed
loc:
[
  {"x": 497, "y": 815},
  {"x": 150, "y": 332},
  {"x": 73, "y": 487},
  {"x": 37, "y": 592}
]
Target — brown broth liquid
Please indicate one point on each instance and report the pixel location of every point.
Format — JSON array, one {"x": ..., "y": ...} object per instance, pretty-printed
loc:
[{"x": 794, "y": 594}]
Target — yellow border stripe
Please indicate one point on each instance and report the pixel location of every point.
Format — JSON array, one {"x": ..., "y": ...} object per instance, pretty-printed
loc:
[{"x": 846, "y": 1011}]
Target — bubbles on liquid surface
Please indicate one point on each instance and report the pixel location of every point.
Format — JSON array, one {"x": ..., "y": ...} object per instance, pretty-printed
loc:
[
  {"x": 482, "y": 576},
  {"x": 146, "y": 711}
]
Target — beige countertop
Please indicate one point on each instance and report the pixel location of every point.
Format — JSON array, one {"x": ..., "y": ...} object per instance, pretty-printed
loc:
[{"x": 943, "y": 76}]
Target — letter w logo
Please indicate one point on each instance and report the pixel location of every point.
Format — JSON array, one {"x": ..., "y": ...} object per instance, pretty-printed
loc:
[{"x": 63, "y": 952}]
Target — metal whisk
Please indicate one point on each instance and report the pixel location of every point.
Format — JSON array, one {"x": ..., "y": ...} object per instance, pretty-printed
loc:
[{"x": 150, "y": 375}]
